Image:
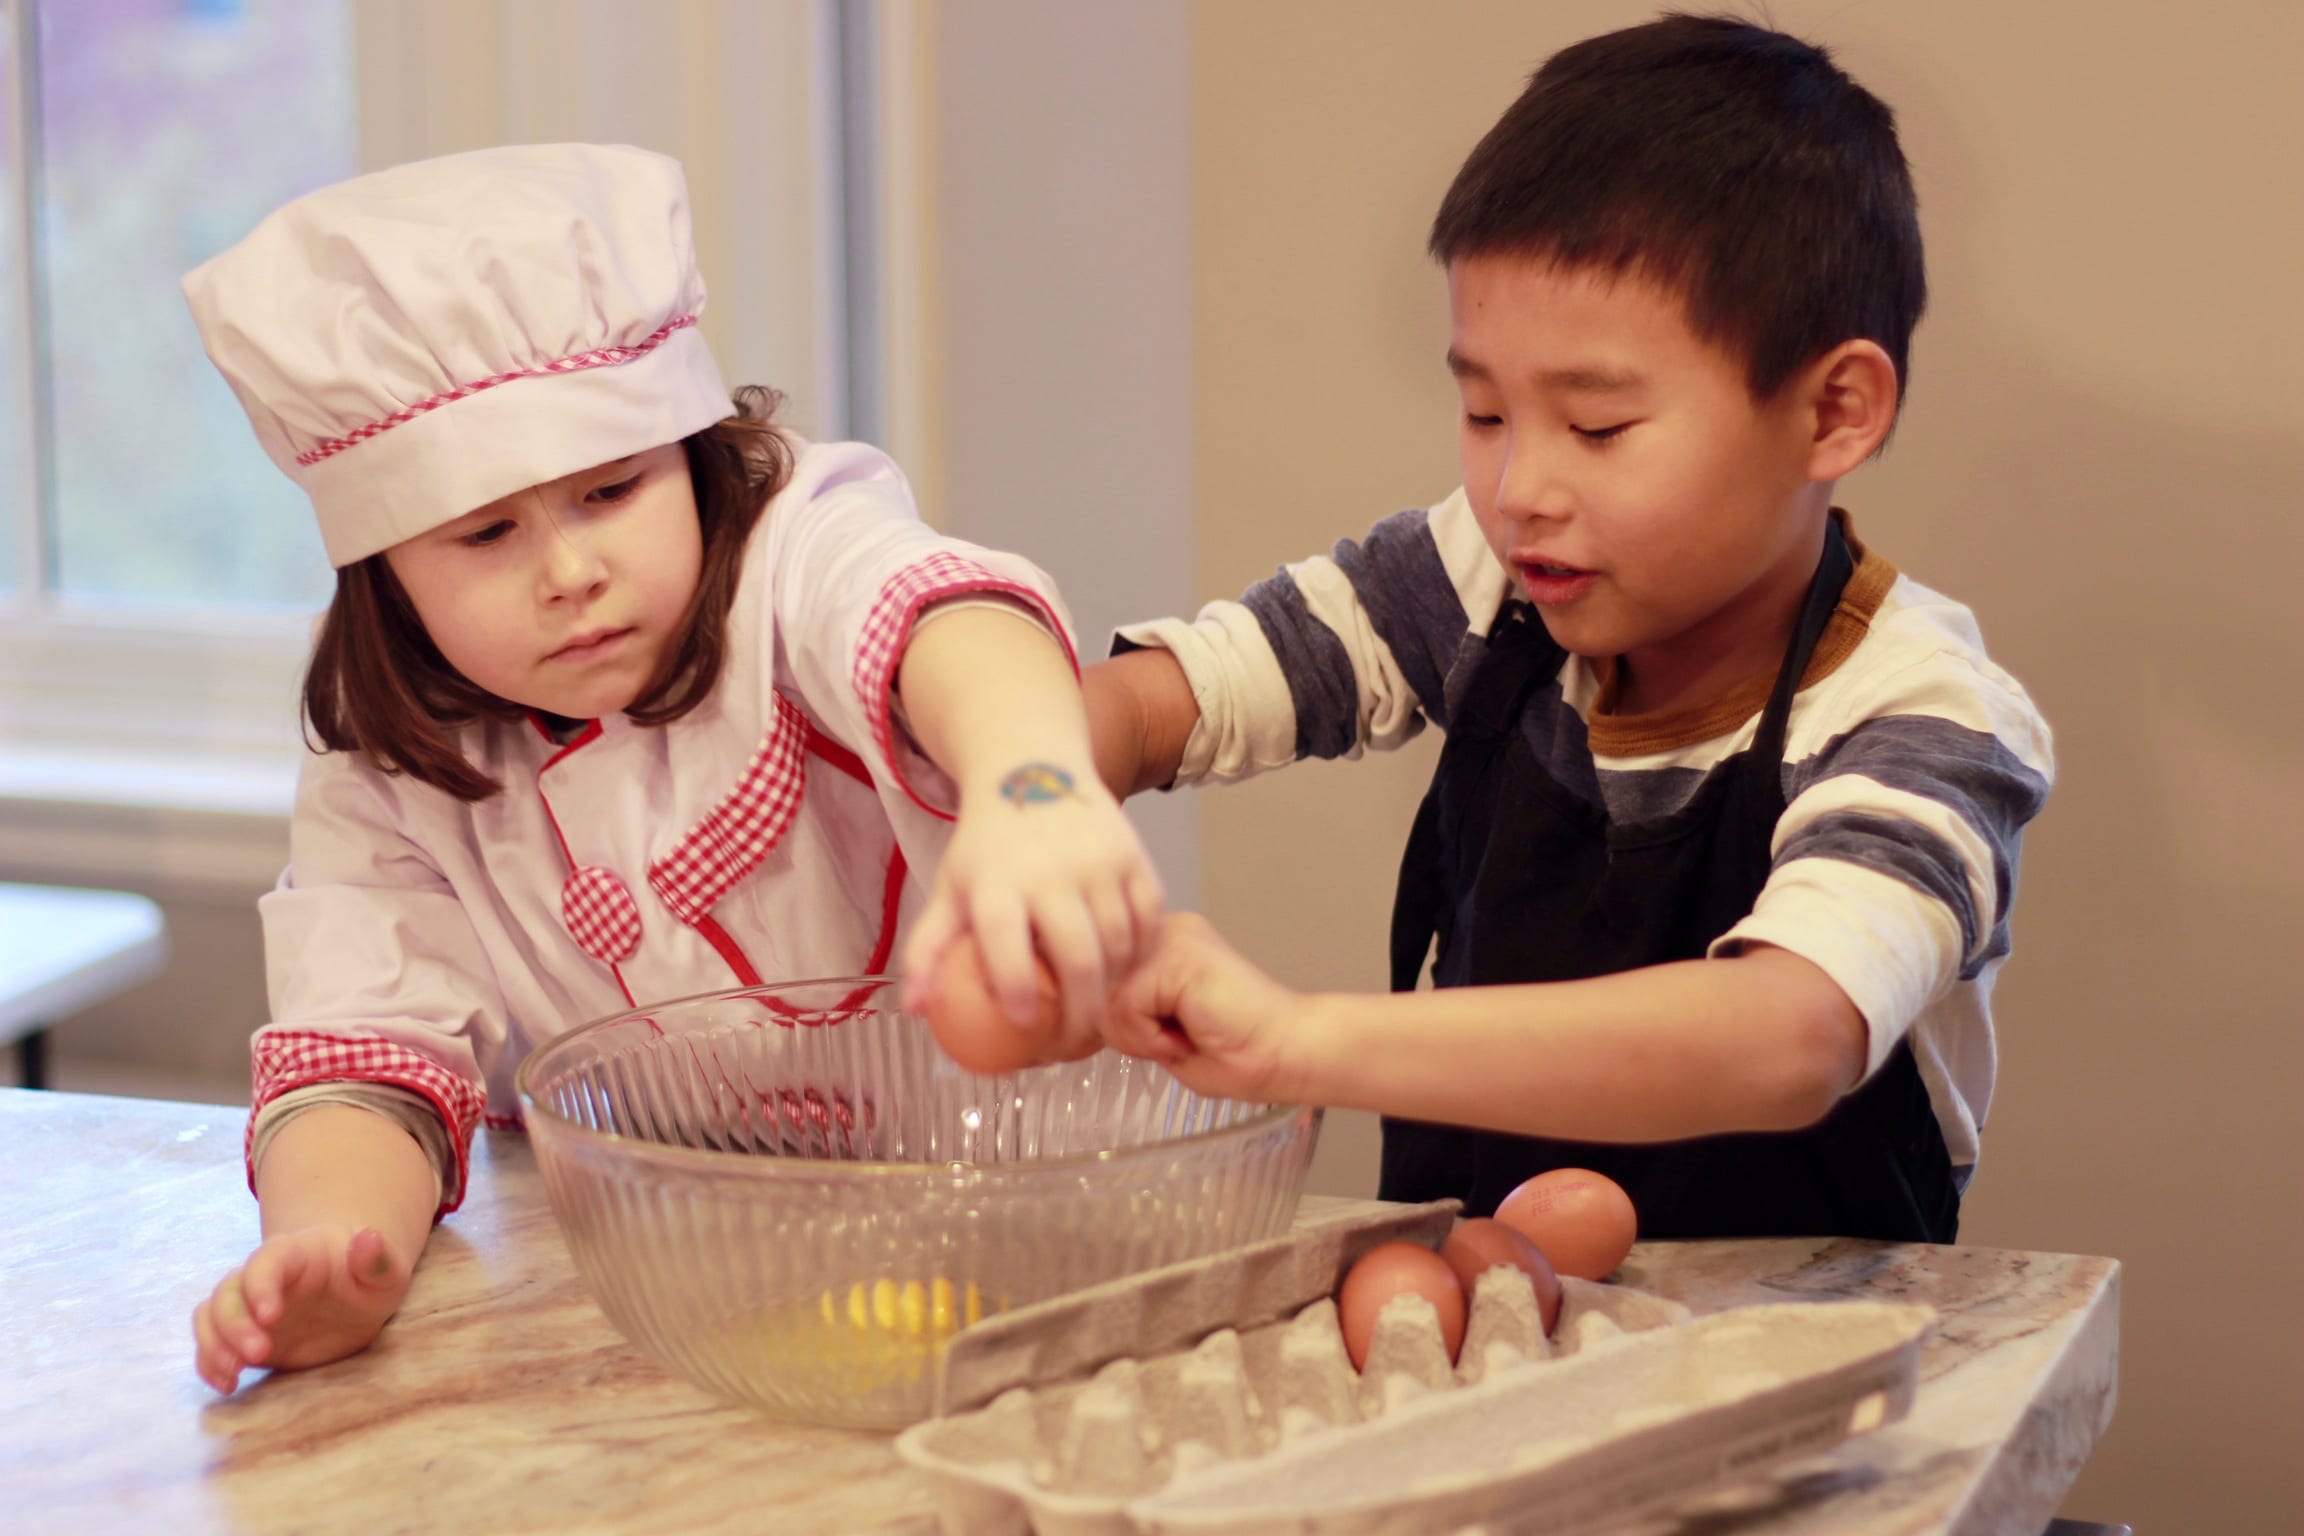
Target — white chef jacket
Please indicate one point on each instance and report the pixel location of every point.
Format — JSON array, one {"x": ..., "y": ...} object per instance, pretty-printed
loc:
[{"x": 783, "y": 829}]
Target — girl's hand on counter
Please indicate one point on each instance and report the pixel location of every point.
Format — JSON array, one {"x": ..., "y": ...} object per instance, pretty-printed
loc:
[{"x": 304, "y": 1298}]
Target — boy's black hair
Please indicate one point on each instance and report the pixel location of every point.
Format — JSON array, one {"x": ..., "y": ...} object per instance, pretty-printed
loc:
[{"x": 1733, "y": 164}]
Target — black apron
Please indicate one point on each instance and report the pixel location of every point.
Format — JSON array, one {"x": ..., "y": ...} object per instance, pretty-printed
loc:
[{"x": 1521, "y": 879}]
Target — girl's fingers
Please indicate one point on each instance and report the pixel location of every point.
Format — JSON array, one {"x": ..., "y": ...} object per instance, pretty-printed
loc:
[
  {"x": 367, "y": 1259},
  {"x": 247, "y": 1334},
  {"x": 265, "y": 1281},
  {"x": 924, "y": 951},
  {"x": 1004, "y": 935},
  {"x": 1115, "y": 929},
  {"x": 282, "y": 1273},
  {"x": 1068, "y": 940},
  {"x": 1146, "y": 902},
  {"x": 213, "y": 1358},
  {"x": 226, "y": 1303},
  {"x": 228, "y": 1311}
]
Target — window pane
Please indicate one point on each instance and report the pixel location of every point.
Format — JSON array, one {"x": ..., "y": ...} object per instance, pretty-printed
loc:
[
  {"x": 13, "y": 507},
  {"x": 168, "y": 128}
]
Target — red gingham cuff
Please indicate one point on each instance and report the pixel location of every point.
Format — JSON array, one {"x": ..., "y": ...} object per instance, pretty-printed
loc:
[
  {"x": 888, "y": 630},
  {"x": 298, "y": 1058}
]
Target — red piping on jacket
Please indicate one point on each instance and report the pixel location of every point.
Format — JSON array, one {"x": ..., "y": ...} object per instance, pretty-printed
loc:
[
  {"x": 891, "y": 892},
  {"x": 583, "y": 738}
]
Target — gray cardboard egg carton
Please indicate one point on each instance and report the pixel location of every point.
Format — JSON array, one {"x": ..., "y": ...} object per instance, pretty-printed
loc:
[
  {"x": 1175, "y": 1306},
  {"x": 1265, "y": 1428}
]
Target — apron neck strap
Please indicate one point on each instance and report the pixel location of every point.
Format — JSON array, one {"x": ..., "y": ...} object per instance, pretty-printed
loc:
[
  {"x": 1522, "y": 656},
  {"x": 1832, "y": 572}
]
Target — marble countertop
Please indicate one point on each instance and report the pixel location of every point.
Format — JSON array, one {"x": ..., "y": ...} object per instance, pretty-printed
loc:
[{"x": 501, "y": 1400}]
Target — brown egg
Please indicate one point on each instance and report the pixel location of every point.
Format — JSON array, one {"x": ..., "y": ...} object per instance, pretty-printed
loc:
[
  {"x": 1582, "y": 1220},
  {"x": 1479, "y": 1245},
  {"x": 969, "y": 1024},
  {"x": 1393, "y": 1269}
]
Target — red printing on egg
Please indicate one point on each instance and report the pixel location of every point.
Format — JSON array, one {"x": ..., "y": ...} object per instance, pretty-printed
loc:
[{"x": 1582, "y": 1220}]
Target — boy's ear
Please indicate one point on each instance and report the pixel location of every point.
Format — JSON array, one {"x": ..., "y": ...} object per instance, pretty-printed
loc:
[{"x": 1852, "y": 393}]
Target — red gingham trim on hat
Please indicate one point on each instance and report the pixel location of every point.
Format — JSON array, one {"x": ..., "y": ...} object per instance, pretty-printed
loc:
[
  {"x": 599, "y": 357},
  {"x": 888, "y": 629},
  {"x": 600, "y": 913},
  {"x": 732, "y": 841},
  {"x": 299, "y": 1058}
]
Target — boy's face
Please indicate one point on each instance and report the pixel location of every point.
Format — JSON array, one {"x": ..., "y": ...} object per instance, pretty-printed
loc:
[
  {"x": 1637, "y": 494},
  {"x": 567, "y": 596}
]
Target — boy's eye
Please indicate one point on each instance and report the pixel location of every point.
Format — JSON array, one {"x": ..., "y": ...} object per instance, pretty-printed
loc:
[
  {"x": 615, "y": 491},
  {"x": 480, "y": 538},
  {"x": 1475, "y": 419},
  {"x": 1600, "y": 434}
]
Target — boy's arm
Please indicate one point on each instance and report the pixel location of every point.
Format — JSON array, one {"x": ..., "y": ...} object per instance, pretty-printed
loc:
[
  {"x": 1330, "y": 657},
  {"x": 1762, "y": 1041},
  {"x": 1140, "y": 715},
  {"x": 1765, "y": 1041}
]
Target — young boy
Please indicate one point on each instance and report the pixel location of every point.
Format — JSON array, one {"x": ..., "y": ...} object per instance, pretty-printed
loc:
[{"x": 1721, "y": 845}]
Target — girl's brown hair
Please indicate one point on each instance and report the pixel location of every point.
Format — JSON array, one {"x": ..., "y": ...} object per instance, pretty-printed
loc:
[{"x": 377, "y": 684}]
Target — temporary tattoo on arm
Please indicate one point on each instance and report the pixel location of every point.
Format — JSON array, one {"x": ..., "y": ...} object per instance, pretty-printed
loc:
[{"x": 1036, "y": 784}]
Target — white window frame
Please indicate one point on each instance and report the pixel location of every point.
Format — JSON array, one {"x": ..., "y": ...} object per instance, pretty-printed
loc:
[{"x": 160, "y": 749}]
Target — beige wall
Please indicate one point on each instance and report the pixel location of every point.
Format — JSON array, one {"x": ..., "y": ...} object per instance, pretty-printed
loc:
[
  {"x": 729, "y": 87},
  {"x": 2103, "y": 455},
  {"x": 1061, "y": 376}
]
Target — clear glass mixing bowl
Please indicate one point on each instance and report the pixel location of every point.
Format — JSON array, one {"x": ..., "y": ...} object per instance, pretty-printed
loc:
[{"x": 790, "y": 1197}]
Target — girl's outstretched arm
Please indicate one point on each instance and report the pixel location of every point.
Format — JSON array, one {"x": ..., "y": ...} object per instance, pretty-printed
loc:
[
  {"x": 348, "y": 1199},
  {"x": 1042, "y": 858}
]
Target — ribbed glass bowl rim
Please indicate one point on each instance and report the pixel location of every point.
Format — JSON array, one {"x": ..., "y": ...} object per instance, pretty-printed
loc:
[{"x": 703, "y": 1159}]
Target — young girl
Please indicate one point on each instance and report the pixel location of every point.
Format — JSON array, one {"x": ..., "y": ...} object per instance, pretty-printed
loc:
[{"x": 625, "y": 693}]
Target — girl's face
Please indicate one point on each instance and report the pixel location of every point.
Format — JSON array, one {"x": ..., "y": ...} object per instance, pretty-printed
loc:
[{"x": 568, "y": 596}]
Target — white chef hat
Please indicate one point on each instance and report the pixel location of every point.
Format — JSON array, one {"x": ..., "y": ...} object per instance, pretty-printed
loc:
[{"x": 415, "y": 343}]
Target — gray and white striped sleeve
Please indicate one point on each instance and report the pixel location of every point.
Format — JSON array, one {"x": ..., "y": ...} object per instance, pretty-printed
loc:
[
  {"x": 1335, "y": 654},
  {"x": 1895, "y": 862}
]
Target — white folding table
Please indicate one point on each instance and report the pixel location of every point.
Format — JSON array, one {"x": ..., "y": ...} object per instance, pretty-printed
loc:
[{"x": 63, "y": 949}]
